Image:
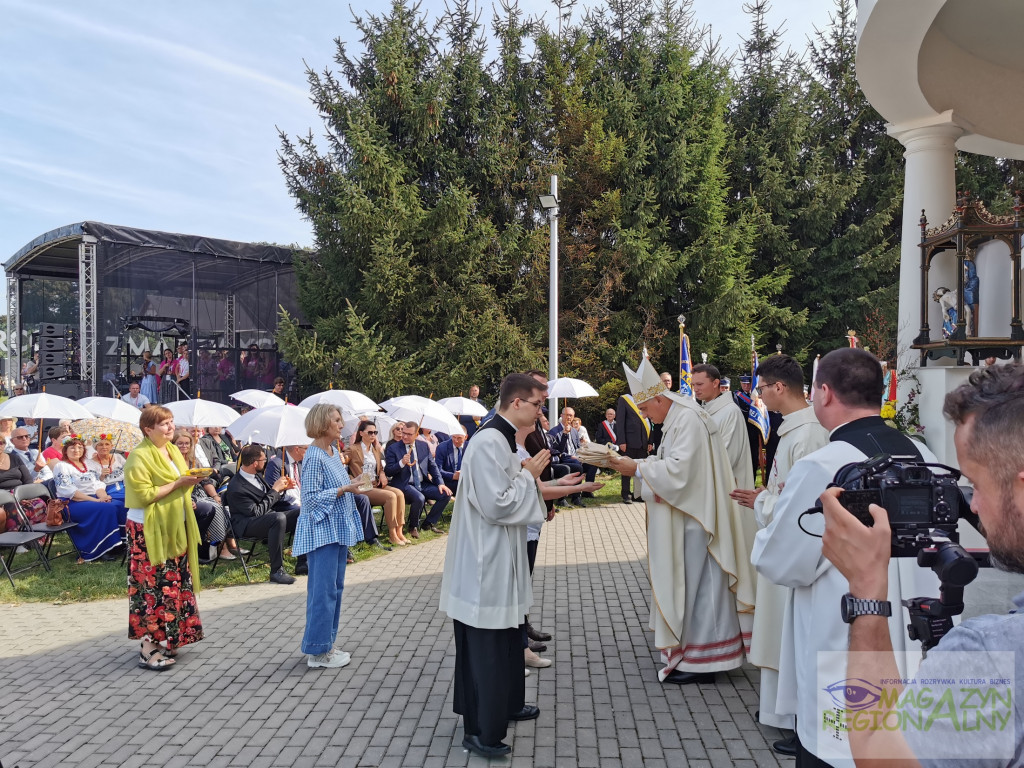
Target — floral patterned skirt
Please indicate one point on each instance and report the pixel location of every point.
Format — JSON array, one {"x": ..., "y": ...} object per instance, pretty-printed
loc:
[{"x": 161, "y": 603}]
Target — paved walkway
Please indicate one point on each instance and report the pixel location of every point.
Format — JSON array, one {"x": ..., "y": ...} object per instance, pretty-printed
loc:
[{"x": 72, "y": 695}]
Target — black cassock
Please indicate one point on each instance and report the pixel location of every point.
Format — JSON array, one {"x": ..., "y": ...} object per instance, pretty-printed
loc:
[{"x": 489, "y": 682}]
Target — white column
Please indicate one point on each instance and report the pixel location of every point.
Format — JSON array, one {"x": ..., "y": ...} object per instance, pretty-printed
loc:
[{"x": 929, "y": 184}]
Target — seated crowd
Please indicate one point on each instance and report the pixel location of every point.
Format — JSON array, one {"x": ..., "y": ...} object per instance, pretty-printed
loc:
[{"x": 253, "y": 491}]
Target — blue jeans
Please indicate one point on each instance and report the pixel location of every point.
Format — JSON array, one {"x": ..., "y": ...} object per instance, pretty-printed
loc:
[{"x": 324, "y": 586}]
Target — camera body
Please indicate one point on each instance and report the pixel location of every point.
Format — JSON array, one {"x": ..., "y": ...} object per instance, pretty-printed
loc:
[{"x": 918, "y": 500}]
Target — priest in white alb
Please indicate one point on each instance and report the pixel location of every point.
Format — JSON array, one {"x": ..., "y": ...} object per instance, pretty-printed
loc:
[
  {"x": 732, "y": 426},
  {"x": 702, "y": 605},
  {"x": 782, "y": 390}
]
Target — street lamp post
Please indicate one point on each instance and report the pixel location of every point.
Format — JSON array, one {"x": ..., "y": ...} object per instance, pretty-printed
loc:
[{"x": 550, "y": 204}]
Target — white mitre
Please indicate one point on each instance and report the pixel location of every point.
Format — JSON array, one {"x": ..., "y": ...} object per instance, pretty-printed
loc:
[{"x": 645, "y": 384}]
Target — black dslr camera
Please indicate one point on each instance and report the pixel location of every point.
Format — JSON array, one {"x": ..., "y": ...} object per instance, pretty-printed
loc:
[
  {"x": 924, "y": 509},
  {"x": 919, "y": 501}
]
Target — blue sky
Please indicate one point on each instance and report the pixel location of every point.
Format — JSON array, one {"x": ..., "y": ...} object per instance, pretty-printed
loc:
[{"x": 165, "y": 115}]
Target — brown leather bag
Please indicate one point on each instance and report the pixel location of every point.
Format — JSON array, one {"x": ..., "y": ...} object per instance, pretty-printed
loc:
[{"x": 55, "y": 511}]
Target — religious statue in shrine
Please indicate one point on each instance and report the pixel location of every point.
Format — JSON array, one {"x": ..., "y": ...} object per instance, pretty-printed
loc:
[
  {"x": 971, "y": 284},
  {"x": 947, "y": 300}
]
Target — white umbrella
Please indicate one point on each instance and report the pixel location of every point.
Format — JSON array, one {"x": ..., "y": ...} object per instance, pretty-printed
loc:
[
  {"x": 43, "y": 406},
  {"x": 429, "y": 414},
  {"x": 347, "y": 400},
  {"x": 568, "y": 387},
  {"x": 109, "y": 408},
  {"x": 257, "y": 398},
  {"x": 463, "y": 406},
  {"x": 275, "y": 425},
  {"x": 201, "y": 413},
  {"x": 382, "y": 420}
]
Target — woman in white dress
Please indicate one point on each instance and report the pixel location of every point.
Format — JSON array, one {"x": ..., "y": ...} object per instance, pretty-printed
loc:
[{"x": 98, "y": 515}]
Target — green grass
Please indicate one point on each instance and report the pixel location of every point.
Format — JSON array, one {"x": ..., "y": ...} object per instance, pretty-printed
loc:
[{"x": 69, "y": 582}]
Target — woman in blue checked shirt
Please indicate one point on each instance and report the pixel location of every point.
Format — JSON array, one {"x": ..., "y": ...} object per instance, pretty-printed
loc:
[{"x": 328, "y": 525}]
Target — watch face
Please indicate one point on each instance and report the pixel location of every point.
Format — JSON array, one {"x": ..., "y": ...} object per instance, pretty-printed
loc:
[{"x": 845, "y": 604}]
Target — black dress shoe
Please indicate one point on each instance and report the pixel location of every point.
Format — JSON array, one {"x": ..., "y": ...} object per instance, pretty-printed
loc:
[
  {"x": 533, "y": 634},
  {"x": 627, "y": 500},
  {"x": 537, "y": 647},
  {"x": 302, "y": 570},
  {"x": 472, "y": 743},
  {"x": 381, "y": 545},
  {"x": 685, "y": 678},
  {"x": 788, "y": 747},
  {"x": 528, "y": 712}
]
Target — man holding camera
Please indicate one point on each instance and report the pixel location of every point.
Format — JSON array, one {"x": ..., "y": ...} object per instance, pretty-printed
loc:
[
  {"x": 847, "y": 392},
  {"x": 988, "y": 413}
]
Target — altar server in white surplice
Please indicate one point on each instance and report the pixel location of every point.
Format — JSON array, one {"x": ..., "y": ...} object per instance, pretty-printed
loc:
[
  {"x": 485, "y": 587},
  {"x": 702, "y": 607},
  {"x": 732, "y": 425},
  {"x": 782, "y": 390}
]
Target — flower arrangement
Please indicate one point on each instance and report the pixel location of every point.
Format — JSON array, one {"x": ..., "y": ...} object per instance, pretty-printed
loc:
[
  {"x": 906, "y": 417},
  {"x": 69, "y": 438}
]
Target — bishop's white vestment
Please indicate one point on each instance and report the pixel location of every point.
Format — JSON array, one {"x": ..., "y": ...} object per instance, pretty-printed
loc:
[
  {"x": 799, "y": 435},
  {"x": 702, "y": 583},
  {"x": 732, "y": 426}
]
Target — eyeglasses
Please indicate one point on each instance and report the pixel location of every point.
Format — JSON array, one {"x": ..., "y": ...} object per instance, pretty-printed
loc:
[
  {"x": 763, "y": 387},
  {"x": 370, "y": 432},
  {"x": 537, "y": 405},
  {"x": 20, "y": 437}
]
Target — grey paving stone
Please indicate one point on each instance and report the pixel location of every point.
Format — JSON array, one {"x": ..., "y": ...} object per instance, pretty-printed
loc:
[{"x": 244, "y": 696}]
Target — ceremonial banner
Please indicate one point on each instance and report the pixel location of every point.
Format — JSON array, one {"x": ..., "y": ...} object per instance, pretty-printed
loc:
[
  {"x": 758, "y": 414},
  {"x": 685, "y": 363}
]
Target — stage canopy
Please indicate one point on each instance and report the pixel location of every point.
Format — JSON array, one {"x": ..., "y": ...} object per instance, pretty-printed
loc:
[{"x": 93, "y": 275}]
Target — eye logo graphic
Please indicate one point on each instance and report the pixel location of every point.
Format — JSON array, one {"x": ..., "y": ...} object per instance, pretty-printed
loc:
[{"x": 854, "y": 694}]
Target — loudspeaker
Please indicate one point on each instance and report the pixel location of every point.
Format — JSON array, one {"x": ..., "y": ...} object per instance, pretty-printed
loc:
[
  {"x": 52, "y": 344},
  {"x": 74, "y": 388},
  {"x": 60, "y": 357},
  {"x": 47, "y": 372},
  {"x": 56, "y": 329}
]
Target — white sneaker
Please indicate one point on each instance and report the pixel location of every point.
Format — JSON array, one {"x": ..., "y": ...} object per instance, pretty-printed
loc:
[{"x": 332, "y": 660}]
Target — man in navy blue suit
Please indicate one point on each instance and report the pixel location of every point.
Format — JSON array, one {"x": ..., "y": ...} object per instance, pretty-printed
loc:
[
  {"x": 410, "y": 468},
  {"x": 449, "y": 460}
]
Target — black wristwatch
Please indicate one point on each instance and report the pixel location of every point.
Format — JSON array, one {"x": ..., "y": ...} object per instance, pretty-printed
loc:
[{"x": 852, "y": 607}]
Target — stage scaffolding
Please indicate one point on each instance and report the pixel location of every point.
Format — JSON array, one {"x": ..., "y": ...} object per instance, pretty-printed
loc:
[{"x": 95, "y": 275}]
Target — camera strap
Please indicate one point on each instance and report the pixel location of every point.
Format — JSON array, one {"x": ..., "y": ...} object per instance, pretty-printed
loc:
[{"x": 871, "y": 436}]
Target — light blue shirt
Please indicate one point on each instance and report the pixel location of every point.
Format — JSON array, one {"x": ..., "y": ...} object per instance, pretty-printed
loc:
[{"x": 325, "y": 518}]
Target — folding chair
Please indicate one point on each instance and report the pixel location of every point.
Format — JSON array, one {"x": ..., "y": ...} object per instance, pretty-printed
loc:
[
  {"x": 21, "y": 538},
  {"x": 40, "y": 491},
  {"x": 243, "y": 559}
]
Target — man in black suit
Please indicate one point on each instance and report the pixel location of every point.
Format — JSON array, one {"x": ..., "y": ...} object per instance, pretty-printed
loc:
[
  {"x": 449, "y": 460},
  {"x": 634, "y": 434},
  {"x": 259, "y": 510},
  {"x": 410, "y": 468}
]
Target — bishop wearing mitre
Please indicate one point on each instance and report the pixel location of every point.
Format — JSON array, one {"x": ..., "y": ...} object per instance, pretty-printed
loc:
[{"x": 702, "y": 583}]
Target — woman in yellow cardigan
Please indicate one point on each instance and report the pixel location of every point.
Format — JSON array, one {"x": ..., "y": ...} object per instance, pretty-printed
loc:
[{"x": 163, "y": 570}]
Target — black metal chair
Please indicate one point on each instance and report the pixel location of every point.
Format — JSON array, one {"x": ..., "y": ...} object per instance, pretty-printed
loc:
[
  {"x": 12, "y": 540},
  {"x": 40, "y": 491},
  {"x": 243, "y": 559}
]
